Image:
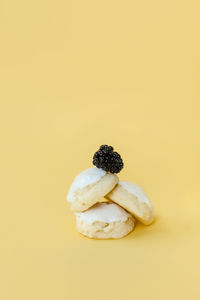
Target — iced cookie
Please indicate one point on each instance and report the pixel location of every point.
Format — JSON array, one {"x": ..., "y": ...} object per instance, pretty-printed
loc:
[
  {"x": 90, "y": 186},
  {"x": 132, "y": 197},
  {"x": 105, "y": 221}
]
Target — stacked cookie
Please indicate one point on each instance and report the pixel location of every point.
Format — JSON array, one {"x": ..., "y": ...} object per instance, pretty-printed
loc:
[{"x": 125, "y": 201}]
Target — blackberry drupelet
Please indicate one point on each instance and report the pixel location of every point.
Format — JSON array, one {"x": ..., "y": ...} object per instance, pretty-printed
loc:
[{"x": 108, "y": 160}]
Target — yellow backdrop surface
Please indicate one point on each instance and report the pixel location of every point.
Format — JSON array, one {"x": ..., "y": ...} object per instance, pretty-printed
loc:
[{"x": 75, "y": 75}]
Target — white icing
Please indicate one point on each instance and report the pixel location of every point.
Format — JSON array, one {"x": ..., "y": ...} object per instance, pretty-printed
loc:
[
  {"x": 135, "y": 190},
  {"x": 103, "y": 212},
  {"x": 85, "y": 178}
]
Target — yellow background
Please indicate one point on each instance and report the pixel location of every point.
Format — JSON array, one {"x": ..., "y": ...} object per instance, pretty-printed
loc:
[{"x": 75, "y": 75}]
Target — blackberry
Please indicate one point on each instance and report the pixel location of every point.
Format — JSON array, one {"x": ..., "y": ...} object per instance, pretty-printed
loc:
[{"x": 108, "y": 160}]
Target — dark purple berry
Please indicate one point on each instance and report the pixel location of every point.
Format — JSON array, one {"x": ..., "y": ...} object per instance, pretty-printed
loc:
[{"x": 108, "y": 160}]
